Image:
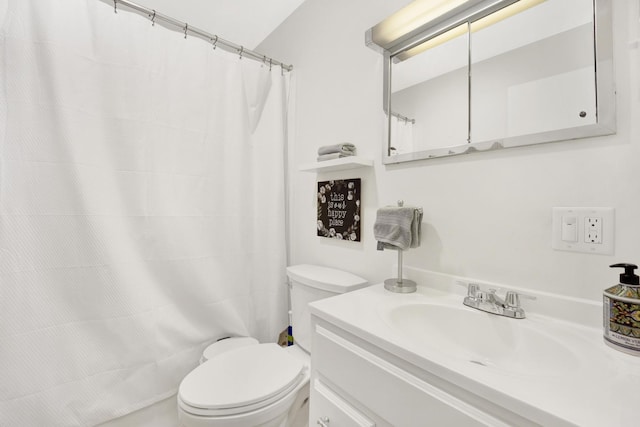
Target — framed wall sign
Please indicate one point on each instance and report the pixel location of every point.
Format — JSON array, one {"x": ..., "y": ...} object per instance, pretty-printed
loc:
[{"x": 339, "y": 209}]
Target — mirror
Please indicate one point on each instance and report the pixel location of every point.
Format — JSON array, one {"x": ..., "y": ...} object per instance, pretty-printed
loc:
[
  {"x": 500, "y": 74},
  {"x": 429, "y": 97}
]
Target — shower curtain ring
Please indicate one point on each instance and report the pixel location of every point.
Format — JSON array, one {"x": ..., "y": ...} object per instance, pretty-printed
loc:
[
  {"x": 241, "y": 51},
  {"x": 153, "y": 18},
  {"x": 215, "y": 42},
  {"x": 270, "y": 63},
  {"x": 186, "y": 28},
  {"x": 282, "y": 69},
  {"x": 115, "y": 6}
]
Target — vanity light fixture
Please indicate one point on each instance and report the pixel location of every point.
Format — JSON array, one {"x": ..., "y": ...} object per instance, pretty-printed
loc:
[
  {"x": 504, "y": 13},
  {"x": 423, "y": 24},
  {"x": 448, "y": 35},
  {"x": 410, "y": 18}
]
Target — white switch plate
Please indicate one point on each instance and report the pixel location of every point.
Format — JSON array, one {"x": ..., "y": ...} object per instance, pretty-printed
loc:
[{"x": 595, "y": 230}]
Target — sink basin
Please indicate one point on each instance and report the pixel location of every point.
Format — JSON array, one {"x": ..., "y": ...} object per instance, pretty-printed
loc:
[{"x": 514, "y": 346}]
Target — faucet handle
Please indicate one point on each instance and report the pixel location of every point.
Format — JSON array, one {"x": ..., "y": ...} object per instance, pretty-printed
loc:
[
  {"x": 472, "y": 290},
  {"x": 512, "y": 299}
]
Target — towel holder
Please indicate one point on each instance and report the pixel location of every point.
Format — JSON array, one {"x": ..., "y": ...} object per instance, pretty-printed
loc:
[{"x": 398, "y": 284}]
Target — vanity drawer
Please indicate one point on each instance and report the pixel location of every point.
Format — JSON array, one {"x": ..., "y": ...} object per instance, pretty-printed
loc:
[
  {"x": 328, "y": 409},
  {"x": 385, "y": 388}
]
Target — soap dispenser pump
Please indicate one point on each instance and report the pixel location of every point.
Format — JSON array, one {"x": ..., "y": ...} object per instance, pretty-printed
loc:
[{"x": 621, "y": 305}]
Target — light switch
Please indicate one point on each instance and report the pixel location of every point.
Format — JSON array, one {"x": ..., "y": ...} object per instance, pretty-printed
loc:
[{"x": 569, "y": 229}]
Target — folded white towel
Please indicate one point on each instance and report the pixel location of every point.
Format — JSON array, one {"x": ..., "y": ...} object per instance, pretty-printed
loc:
[
  {"x": 332, "y": 156},
  {"x": 344, "y": 147},
  {"x": 398, "y": 227}
]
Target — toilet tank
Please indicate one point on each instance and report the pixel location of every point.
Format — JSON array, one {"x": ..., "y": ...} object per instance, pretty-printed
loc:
[{"x": 310, "y": 283}]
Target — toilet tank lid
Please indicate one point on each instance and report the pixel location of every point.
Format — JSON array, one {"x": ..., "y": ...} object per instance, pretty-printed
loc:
[{"x": 325, "y": 278}]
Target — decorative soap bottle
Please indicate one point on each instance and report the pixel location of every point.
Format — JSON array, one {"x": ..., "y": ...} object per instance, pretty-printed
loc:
[{"x": 621, "y": 304}]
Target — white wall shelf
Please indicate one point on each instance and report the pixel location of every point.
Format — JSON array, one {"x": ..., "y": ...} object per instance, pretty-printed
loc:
[{"x": 343, "y": 163}]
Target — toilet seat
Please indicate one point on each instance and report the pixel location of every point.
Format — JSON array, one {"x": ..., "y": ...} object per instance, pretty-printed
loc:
[{"x": 254, "y": 377}]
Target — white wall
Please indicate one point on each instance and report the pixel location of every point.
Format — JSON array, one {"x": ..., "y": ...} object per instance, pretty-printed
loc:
[
  {"x": 487, "y": 215},
  {"x": 3, "y": 11}
]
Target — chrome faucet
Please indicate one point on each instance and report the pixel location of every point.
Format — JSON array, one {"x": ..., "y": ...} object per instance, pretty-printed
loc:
[{"x": 491, "y": 303}]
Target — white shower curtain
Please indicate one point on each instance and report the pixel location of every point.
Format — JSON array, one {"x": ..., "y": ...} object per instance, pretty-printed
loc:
[{"x": 141, "y": 209}]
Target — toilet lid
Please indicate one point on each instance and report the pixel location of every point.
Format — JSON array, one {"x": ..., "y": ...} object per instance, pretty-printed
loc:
[
  {"x": 241, "y": 377},
  {"x": 224, "y": 345}
]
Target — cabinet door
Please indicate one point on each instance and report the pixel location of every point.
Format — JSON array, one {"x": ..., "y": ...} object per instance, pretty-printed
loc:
[
  {"x": 390, "y": 392},
  {"x": 330, "y": 410}
]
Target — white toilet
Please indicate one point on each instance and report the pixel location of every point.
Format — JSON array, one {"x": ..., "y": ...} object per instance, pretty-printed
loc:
[{"x": 242, "y": 383}]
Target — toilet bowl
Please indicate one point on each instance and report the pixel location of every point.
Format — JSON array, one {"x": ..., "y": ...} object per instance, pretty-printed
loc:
[{"x": 242, "y": 383}]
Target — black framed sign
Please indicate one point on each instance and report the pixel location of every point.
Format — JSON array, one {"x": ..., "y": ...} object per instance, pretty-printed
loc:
[{"x": 339, "y": 209}]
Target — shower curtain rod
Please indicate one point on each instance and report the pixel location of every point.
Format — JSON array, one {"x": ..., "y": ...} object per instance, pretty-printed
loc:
[
  {"x": 405, "y": 118},
  {"x": 216, "y": 41}
]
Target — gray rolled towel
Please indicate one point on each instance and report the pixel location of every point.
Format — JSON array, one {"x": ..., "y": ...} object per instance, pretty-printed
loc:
[
  {"x": 343, "y": 147},
  {"x": 398, "y": 227},
  {"x": 332, "y": 156}
]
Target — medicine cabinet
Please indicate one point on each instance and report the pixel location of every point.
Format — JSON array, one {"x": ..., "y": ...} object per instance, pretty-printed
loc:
[{"x": 478, "y": 75}]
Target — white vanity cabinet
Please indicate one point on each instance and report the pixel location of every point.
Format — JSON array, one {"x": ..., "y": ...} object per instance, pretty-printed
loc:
[
  {"x": 425, "y": 359},
  {"x": 355, "y": 383}
]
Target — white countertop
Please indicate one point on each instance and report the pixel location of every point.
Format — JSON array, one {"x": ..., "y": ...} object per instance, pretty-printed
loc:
[{"x": 594, "y": 385}]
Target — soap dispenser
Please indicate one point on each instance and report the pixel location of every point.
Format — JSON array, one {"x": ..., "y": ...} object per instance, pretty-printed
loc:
[{"x": 621, "y": 305}]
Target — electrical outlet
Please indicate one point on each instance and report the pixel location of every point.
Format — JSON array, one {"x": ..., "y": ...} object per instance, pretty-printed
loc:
[
  {"x": 593, "y": 230},
  {"x": 588, "y": 230}
]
